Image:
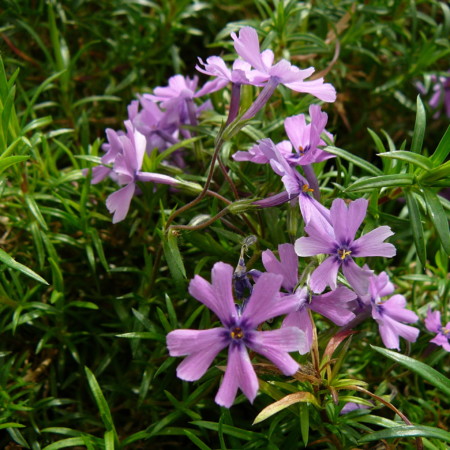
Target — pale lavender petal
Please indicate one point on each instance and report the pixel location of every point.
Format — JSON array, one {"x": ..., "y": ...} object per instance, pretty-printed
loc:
[
  {"x": 221, "y": 303},
  {"x": 395, "y": 308},
  {"x": 265, "y": 301},
  {"x": 371, "y": 243},
  {"x": 239, "y": 374},
  {"x": 347, "y": 220},
  {"x": 311, "y": 245},
  {"x": 211, "y": 86},
  {"x": 351, "y": 406},
  {"x": 390, "y": 330},
  {"x": 295, "y": 127},
  {"x": 99, "y": 173},
  {"x": 441, "y": 340},
  {"x": 275, "y": 345},
  {"x": 287, "y": 73},
  {"x": 433, "y": 321},
  {"x": 314, "y": 213},
  {"x": 202, "y": 346},
  {"x": 380, "y": 285},
  {"x": 358, "y": 277},
  {"x": 325, "y": 275},
  {"x": 156, "y": 178},
  {"x": 185, "y": 342},
  {"x": 287, "y": 266},
  {"x": 323, "y": 91},
  {"x": 118, "y": 203},
  {"x": 302, "y": 321},
  {"x": 334, "y": 305},
  {"x": 247, "y": 47}
]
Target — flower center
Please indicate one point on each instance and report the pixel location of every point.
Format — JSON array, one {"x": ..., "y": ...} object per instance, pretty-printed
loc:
[
  {"x": 343, "y": 253},
  {"x": 306, "y": 188},
  {"x": 446, "y": 331},
  {"x": 303, "y": 150},
  {"x": 237, "y": 333}
]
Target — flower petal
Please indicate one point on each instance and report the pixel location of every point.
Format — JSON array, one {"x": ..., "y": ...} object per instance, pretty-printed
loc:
[
  {"x": 334, "y": 305},
  {"x": 275, "y": 345},
  {"x": 266, "y": 302},
  {"x": 358, "y": 277},
  {"x": 302, "y": 321},
  {"x": 325, "y": 275},
  {"x": 287, "y": 266},
  {"x": 218, "y": 296},
  {"x": 433, "y": 321},
  {"x": 239, "y": 373},
  {"x": 371, "y": 243},
  {"x": 118, "y": 203}
]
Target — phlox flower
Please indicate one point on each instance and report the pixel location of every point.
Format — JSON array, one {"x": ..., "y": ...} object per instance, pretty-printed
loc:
[
  {"x": 283, "y": 72},
  {"x": 441, "y": 94},
  {"x": 333, "y": 305},
  {"x": 127, "y": 169},
  {"x": 337, "y": 239},
  {"x": 391, "y": 315},
  {"x": 433, "y": 324},
  {"x": 238, "y": 332},
  {"x": 295, "y": 184},
  {"x": 306, "y": 138}
]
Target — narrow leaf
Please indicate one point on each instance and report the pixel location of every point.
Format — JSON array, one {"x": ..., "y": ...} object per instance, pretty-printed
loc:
[
  {"x": 11, "y": 262},
  {"x": 407, "y": 431},
  {"x": 173, "y": 258},
  {"x": 434, "y": 377},
  {"x": 412, "y": 158},
  {"x": 416, "y": 226},
  {"x": 419, "y": 127},
  {"x": 442, "y": 150},
  {"x": 289, "y": 400},
  {"x": 394, "y": 181},
  {"x": 439, "y": 218},
  {"x": 356, "y": 160}
]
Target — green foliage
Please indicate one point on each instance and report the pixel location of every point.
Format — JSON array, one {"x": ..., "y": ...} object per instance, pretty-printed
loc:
[{"x": 85, "y": 305}]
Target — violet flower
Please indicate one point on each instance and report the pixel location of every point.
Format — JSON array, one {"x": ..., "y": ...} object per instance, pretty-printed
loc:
[
  {"x": 337, "y": 239},
  {"x": 256, "y": 155},
  {"x": 215, "y": 66},
  {"x": 127, "y": 168},
  {"x": 391, "y": 315},
  {"x": 283, "y": 72},
  {"x": 441, "y": 94},
  {"x": 238, "y": 332},
  {"x": 295, "y": 184},
  {"x": 333, "y": 305},
  {"x": 433, "y": 324},
  {"x": 306, "y": 138}
]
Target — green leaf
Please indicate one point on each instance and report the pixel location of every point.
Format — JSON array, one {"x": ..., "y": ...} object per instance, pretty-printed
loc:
[
  {"x": 407, "y": 431},
  {"x": 11, "y": 262},
  {"x": 442, "y": 150},
  {"x": 198, "y": 442},
  {"x": 412, "y": 158},
  {"x": 437, "y": 174},
  {"x": 228, "y": 429},
  {"x": 102, "y": 405},
  {"x": 434, "y": 377},
  {"x": 419, "y": 127},
  {"x": 173, "y": 258},
  {"x": 356, "y": 160},
  {"x": 283, "y": 403},
  {"x": 10, "y": 161},
  {"x": 438, "y": 217},
  {"x": 64, "y": 443},
  {"x": 416, "y": 226},
  {"x": 394, "y": 181}
]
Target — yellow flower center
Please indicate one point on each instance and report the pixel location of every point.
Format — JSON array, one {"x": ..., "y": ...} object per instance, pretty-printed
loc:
[
  {"x": 344, "y": 253},
  {"x": 306, "y": 188},
  {"x": 237, "y": 333}
]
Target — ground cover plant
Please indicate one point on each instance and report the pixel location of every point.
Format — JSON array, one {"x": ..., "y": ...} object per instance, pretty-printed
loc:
[{"x": 224, "y": 225}]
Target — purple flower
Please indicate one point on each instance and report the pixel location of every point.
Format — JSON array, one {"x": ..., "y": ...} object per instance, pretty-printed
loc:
[
  {"x": 352, "y": 406},
  {"x": 295, "y": 184},
  {"x": 283, "y": 72},
  {"x": 433, "y": 324},
  {"x": 391, "y": 315},
  {"x": 237, "y": 333},
  {"x": 215, "y": 66},
  {"x": 127, "y": 168},
  {"x": 441, "y": 94},
  {"x": 333, "y": 305},
  {"x": 306, "y": 138},
  {"x": 337, "y": 239},
  {"x": 256, "y": 155}
]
